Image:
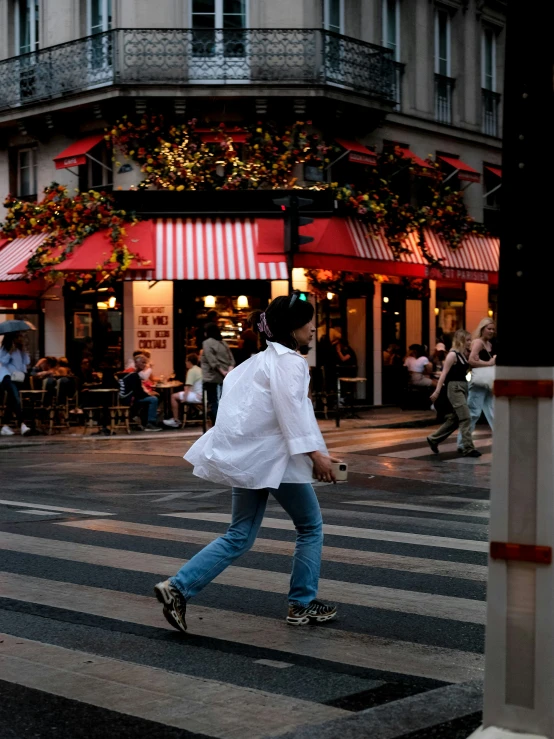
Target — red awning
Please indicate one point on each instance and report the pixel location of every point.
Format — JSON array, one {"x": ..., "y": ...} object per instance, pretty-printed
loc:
[
  {"x": 341, "y": 244},
  {"x": 357, "y": 152},
  {"x": 76, "y": 153},
  {"x": 92, "y": 254},
  {"x": 213, "y": 249},
  {"x": 475, "y": 260},
  {"x": 496, "y": 171},
  {"x": 21, "y": 290},
  {"x": 15, "y": 254},
  {"x": 465, "y": 172},
  {"x": 408, "y": 154}
]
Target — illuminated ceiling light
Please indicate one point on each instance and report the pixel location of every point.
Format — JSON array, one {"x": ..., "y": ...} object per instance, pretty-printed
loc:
[
  {"x": 14, "y": 306},
  {"x": 437, "y": 311},
  {"x": 386, "y": 300},
  {"x": 209, "y": 301},
  {"x": 242, "y": 301},
  {"x": 330, "y": 296}
]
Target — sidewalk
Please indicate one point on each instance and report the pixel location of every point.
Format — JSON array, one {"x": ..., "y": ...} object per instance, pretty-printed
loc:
[{"x": 386, "y": 418}]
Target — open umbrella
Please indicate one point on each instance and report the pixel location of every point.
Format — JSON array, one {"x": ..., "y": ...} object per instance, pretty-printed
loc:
[{"x": 12, "y": 327}]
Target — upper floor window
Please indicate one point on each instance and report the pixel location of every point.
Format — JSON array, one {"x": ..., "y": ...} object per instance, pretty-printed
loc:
[
  {"x": 26, "y": 172},
  {"x": 443, "y": 65},
  {"x": 99, "y": 16},
  {"x": 228, "y": 14},
  {"x": 488, "y": 81},
  {"x": 333, "y": 15},
  {"x": 391, "y": 27},
  {"x": 26, "y": 26}
]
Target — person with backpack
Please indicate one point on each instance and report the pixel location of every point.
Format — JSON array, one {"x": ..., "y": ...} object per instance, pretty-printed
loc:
[
  {"x": 453, "y": 383},
  {"x": 266, "y": 441}
]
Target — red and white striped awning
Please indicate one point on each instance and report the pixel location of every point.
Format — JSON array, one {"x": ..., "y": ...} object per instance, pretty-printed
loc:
[
  {"x": 372, "y": 246},
  {"x": 481, "y": 253},
  {"x": 212, "y": 249},
  {"x": 15, "y": 252}
]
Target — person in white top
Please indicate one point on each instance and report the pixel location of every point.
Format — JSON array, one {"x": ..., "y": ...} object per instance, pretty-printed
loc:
[
  {"x": 419, "y": 367},
  {"x": 265, "y": 440},
  {"x": 14, "y": 362}
]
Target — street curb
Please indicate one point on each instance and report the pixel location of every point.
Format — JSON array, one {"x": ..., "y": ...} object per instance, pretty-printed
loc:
[
  {"x": 52, "y": 441},
  {"x": 397, "y": 718}
]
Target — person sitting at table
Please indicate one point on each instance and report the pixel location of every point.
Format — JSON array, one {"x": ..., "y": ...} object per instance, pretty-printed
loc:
[
  {"x": 66, "y": 380},
  {"x": 45, "y": 371},
  {"x": 192, "y": 392},
  {"x": 132, "y": 390}
]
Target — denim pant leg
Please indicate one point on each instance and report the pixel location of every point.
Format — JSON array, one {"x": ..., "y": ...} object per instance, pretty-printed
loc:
[
  {"x": 152, "y": 405},
  {"x": 488, "y": 407},
  {"x": 248, "y": 512},
  {"x": 300, "y": 502},
  {"x": 475, "y": 400},
  {"x": 13, "y": 400}
]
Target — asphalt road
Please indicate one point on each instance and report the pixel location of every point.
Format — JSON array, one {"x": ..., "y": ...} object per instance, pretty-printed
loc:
[{"x": 87, "y": 527}]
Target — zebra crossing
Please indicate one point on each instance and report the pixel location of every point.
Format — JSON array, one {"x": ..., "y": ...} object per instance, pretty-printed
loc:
[
  {"x": 406, "y": 569},
  {"x": 404, "y": 444}
]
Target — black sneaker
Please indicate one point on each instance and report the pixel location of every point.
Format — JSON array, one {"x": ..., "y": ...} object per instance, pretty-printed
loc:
[
  {"x": 433, "y": 445},
  {"x": 315, "y": 612},
  {"x": 152, "y": 427},
  {"x": 473, "y": 453},
  {"x": 175, "y": 606}
]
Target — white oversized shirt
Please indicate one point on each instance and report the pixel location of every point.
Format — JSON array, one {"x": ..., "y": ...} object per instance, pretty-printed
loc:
[{"x": 265, "y": 425}]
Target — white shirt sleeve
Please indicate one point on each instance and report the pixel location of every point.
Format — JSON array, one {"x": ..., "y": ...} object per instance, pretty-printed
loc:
[{"x": 288, "y": 382}]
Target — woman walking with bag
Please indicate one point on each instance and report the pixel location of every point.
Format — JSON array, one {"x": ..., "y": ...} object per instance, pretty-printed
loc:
[
  {"x": 453, "y": 376},
  {"x": 482, "y": 362},
  {"x": 266, "y": 440},
  {"x": 14, "y": 361}
]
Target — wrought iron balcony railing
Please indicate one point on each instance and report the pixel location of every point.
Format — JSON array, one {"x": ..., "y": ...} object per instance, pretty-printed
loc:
[
  {"x": 490, "y": 104},
  {"x": 133, "y": 57},
  {"x": 444, "y": 88}
]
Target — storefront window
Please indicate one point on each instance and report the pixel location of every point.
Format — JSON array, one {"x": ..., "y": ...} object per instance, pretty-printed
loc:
[
  {"x": 451, "y": 317},
  {"x": 95, "y": 326}
]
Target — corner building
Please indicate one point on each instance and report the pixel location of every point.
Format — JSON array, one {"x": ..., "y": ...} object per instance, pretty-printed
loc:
[{"x": 369, "y": 74}]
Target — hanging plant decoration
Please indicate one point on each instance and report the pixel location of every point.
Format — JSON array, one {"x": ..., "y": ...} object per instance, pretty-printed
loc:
[{"x": 68, "y": 220}]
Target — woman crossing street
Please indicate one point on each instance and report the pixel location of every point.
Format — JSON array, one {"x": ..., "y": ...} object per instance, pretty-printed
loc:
[{"x": 265, "y": 441}]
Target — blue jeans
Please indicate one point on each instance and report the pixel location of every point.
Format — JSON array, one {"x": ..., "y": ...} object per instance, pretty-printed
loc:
[
  {"x": 480, "y": 400},
  {"x": 13, "y": 400},
  {"x": 300, "y": 502},
  {"x": 152, "y": 402}
]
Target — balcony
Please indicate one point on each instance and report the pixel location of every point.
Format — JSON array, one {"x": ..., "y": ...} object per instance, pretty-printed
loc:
[
  {"x": 250, "y": 58},
  {"x": 490, "y": 104},
  {"x": 444, "y": 88}
]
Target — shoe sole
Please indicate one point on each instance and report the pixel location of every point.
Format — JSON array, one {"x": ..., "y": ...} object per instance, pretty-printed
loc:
[
  {"x": 304, "y": 620},
  {"x": 167, "y": 601},
  {"x": 432, "y": 447}
]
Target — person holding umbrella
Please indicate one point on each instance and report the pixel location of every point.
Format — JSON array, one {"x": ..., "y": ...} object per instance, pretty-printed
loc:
[{"x": 14, "y": 361}]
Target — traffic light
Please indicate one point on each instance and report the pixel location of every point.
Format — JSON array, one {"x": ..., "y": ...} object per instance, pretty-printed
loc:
[{"x": 294, "y": 221}]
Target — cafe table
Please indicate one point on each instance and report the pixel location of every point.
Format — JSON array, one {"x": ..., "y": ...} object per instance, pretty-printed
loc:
[
  {"x": 166, "y": 390},
  {"x": 348, "y": 381}
]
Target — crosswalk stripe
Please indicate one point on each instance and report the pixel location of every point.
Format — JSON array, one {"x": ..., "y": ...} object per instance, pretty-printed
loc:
[
  {"x": 37, "y": 506},
  {"x": 425, "y": 451},
  {"x": 422, "y": 508},
  {"x": 483, "y": 459},
  {"x": 334, "y": 645},
  {"x": 419, "y": 565},
  {"x": 352, "y": 532},
  {"x": 151, "y": 693},
  {"x": 368, "y": 596}
]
